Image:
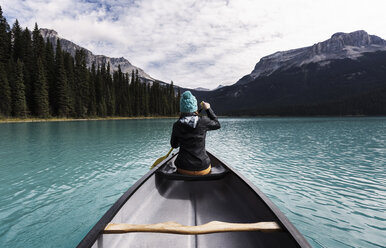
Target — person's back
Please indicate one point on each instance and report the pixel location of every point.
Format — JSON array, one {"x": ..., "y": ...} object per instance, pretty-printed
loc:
[{"x": 189, "y": 133}]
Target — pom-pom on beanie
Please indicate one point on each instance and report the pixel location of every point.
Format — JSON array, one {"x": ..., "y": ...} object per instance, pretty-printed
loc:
[{"x": 188, "y": 103}]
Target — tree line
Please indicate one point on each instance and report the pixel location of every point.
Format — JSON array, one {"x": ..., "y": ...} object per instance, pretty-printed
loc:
[{"x": 38, "y": 81}]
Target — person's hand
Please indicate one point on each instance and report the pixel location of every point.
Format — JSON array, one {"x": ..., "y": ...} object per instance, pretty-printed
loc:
[{"x": 205, "y": 105}]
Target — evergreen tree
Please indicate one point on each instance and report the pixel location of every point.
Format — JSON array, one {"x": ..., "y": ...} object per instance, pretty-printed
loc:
[
  {"x": 19, "y": 106},
  {"x": 38, "y": 54},
  {"x": 137, "y": 95},
  {"x": 126, "y": 102},
  {"x": 110, "y": 92},
  {"x": 38, "y": 43},
  {"x": 41, "y": 92},
  {"x": 82, "y": 84},
  {"x": 105, "y": 94},
  {"x": 71, "y": 84},
  {"x": 171, "y": 98},
  {"x": 61, "y": 87},
  {"x": 17, "y": 48},
  {"x": 49, "y": 64},
  {"x": 92, "y": 94},
  {"x": 97, "y": 89},
  {"x": 29, "y": 67},
  {"x": 5, "y": 39},
  {"x": 5, "y": 93},
  {"x": 178, "y": 99},
  {"x": 132, "y": 93},
  {"x": 147, "y": 99},
  {"x": 101, "y": 103},
  {"x": 120, "y": 92}
]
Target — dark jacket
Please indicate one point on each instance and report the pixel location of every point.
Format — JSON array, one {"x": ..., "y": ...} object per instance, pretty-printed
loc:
[{"x": 189, "y": 134}]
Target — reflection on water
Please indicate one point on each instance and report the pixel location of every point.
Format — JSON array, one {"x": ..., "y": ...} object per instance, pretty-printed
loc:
[{"x": 326, "y": 174}]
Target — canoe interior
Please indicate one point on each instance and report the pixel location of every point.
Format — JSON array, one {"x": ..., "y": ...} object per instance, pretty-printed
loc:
[{"x": 228, "y": 199}]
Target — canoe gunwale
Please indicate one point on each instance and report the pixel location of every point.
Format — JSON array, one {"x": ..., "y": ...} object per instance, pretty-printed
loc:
[
  {"x": 285, "y": 222},
  {"x": 98, "y": 228}
]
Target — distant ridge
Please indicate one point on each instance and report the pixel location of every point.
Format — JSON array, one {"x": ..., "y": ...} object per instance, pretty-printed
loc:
[
  {"x": 71, "y": 47},
  {"x": 344, "y": 75},
  {"x": 339, "y": 46},
  {"x": 201, "y": 89}
]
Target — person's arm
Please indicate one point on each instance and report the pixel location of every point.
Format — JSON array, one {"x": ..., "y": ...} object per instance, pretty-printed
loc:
[
  {"x": 174, "y": 140},
  {"x": 213, "y": 123}
]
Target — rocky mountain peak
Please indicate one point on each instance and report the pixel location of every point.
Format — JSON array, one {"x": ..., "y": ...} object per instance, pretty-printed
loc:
[
  {"x": 339, "y": 46},
  {"x": 48, "y": 32},
  {"x": 71, "y": 47},
  {"x": 357, "y": 38}
]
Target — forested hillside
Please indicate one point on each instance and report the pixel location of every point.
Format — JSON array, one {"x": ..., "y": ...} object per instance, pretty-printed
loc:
[{"x": 38, "y": 81}]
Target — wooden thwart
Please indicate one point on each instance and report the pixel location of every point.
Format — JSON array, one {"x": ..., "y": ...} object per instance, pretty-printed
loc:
[{"x": 211, "y": 227}]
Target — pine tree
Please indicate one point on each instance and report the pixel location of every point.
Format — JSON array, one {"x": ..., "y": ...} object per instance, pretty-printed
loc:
[
  {"x": 171, "y": 98},
  {"x": 29, "y": 67},
  {"x": 19, "y": 106},
  {"x": 132, "y": 93},
  {"x": 5, "y": 93},
  {"x": 5, "y": 39},
  {"x": 61, "y": 87},
  {"x": 49, "y": 64},
  {"x": 38, "y": 54},
  {"x": 126, "y": 98},
  {"x": 92, "y": 94},
  {"x": 110, "y": 92},
  {"x": 38, "y": 43},
  {"x": 82, "y": 84},
  {"x": 71, "y": 84},
  {"x": 137, "y": 93},
  {"x": 178, "y": 99},
  {"x": 147, "y": 99},
  {"x": 41, "y": 92},
  {"x": 17, "y": 48},
  {"x": 101, "y": 103},
  {"x": 117, "y": 78}
]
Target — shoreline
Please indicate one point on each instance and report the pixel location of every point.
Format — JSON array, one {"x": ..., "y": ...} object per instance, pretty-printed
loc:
[{"x": 57, "y": 119}]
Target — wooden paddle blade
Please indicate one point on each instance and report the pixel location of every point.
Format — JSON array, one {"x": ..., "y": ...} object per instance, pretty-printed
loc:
[
  {"x": 176, "y": 228},
  {"x": 161, "y": 159},
  {"x": 158, "y": 161}
]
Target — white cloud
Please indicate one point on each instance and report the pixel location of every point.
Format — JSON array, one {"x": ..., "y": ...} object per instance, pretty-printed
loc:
[{"x": 197, "y": 43}]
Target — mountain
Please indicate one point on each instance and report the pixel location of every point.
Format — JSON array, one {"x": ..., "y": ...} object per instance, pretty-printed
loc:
[
  {"x": 344, "y": 75},
  {"x": 71, "y": 47},
  {"x": 219, "y": 87},
  {"x": 339, "y": 46},
  {"x": 201, "y": 89}
]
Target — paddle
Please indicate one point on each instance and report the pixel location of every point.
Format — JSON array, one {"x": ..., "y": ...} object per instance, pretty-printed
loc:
[{"x": 161, "y": 159}]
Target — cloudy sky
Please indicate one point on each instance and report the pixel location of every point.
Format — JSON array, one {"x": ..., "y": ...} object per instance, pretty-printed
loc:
[{"x": 200, "y": 43}]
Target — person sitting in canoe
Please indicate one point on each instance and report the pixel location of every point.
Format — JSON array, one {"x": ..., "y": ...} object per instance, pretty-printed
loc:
[{"x": 189, "y": 133}]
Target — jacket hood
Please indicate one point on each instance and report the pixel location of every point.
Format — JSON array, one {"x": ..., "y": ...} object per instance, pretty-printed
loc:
[{"x": 189, "y": 120}]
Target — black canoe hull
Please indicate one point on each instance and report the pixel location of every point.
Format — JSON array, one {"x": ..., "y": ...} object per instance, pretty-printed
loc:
[{"x": 232, "y": 198}]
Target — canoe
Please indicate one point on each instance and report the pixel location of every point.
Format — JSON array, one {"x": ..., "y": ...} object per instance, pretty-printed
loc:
[{"x": 163, "y": 196}]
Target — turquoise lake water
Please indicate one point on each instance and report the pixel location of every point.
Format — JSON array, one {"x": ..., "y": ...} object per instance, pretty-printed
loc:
[{"x": 327, "y": 175}]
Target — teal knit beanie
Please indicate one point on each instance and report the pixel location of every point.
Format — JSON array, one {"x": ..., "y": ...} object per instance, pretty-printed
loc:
[{"x": 188, "y": 103}]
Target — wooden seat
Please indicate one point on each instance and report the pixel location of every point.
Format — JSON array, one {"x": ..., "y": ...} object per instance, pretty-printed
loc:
[{"x": 176, "y": 228}]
